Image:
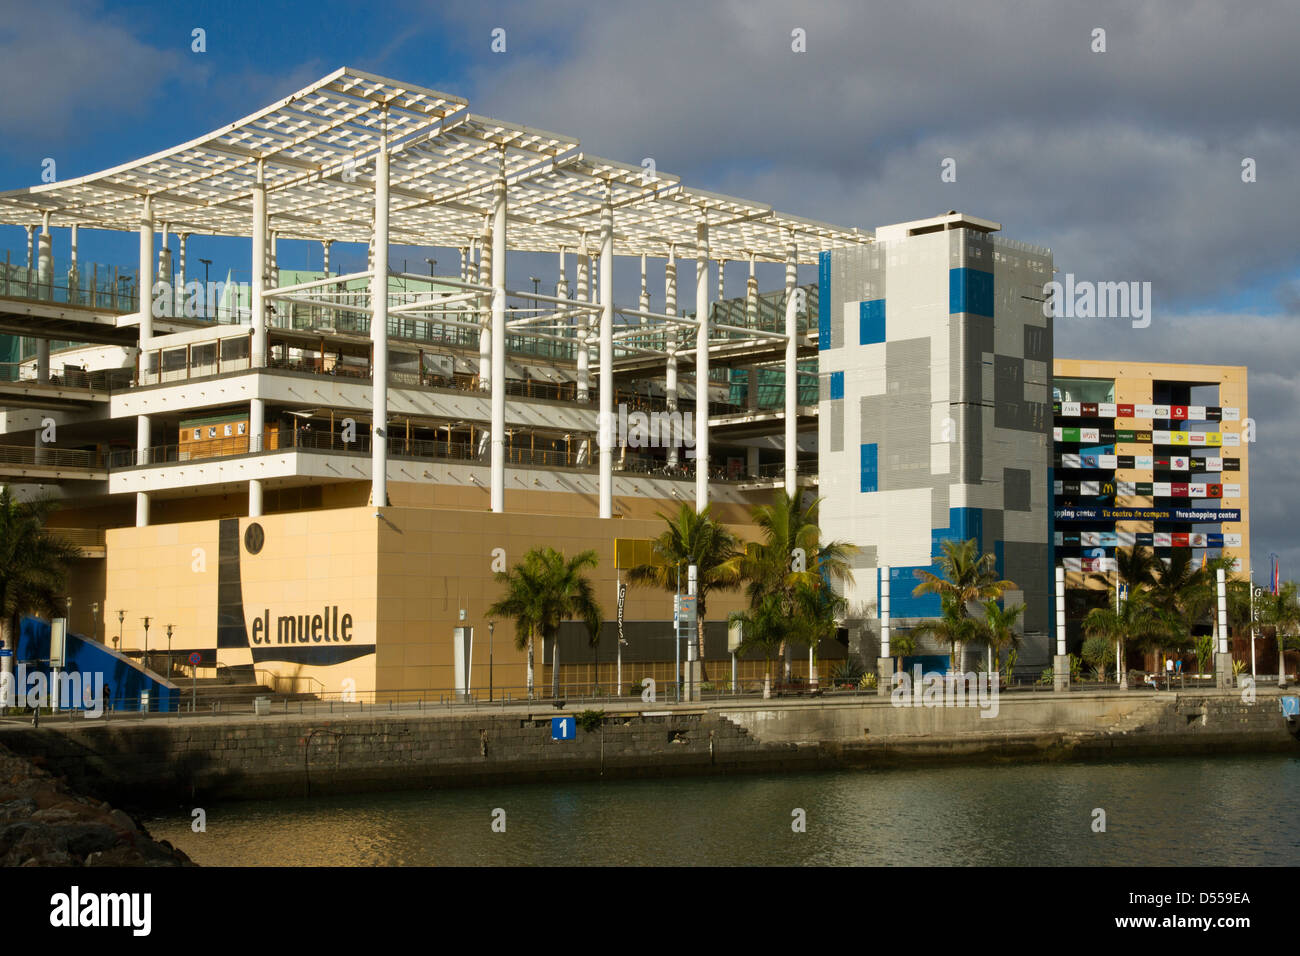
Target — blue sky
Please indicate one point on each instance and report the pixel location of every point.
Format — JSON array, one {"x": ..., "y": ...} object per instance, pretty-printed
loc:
[{"x": 1125, "y": 162}]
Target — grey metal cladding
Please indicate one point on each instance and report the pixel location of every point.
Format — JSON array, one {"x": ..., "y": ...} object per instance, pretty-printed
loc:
[
  {"x": 1017, "y": 486},
  {"x": 994, "y": 527},
  {"x": 837, "y": 425},
  {"x": 1038, "y": 344},
  {"x": 906, "y": 457},
  {"x": 1027, "y": 565}
]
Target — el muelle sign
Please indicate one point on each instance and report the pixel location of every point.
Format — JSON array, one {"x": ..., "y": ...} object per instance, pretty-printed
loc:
[{"x": 303, "y": 628}]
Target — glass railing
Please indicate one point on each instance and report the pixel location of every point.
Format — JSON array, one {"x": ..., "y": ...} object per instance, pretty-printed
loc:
[{"x": 93, "y": 285}]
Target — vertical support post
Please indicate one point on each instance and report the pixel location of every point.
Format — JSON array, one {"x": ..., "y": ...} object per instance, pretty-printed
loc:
[
  {"x": 1061, "y": 662},
  {"x": 645, "y": 297},
  {"x": 142, "y": 458},
  {"x": 670, "y": 345},
  {"x": 181, "y": 276},
  {"x": 325, "y": 258},
  {"x": 146, "y": 270},
  {"x": 485, "y": 312},
  {"x": 379, "y": 330},
  {"x": 74, "y": 277},
  {"x": 45, "y": 260},
  {"x": 583, "y": 357},
  {"x": 256, "y": 443},
  {"x": 884, "y": 663},
  {"x": 791, "y": 368},
  {"x": 1223, "y": 659},
  {"x": 607, "y": 354},
  {"x": 499, "y": 339},
  {"x": 702, "y": 363},
  {"x": 258, "y": 319},
  {"x": 165, "y": 271},
  {"x": 146, "y": 337},
  {"x": 42, "y": 361}
]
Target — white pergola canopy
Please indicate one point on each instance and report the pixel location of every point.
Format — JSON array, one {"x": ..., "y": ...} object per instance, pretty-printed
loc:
[{"x": 317, "y": 148}]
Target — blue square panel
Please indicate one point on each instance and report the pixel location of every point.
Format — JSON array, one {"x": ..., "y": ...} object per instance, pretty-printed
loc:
[
  {"x": 837, "y": 385},
  {"x": 970, "y": 291},
  {"x": 869, "y": 473},
  {"x": 871, "y": 322}
]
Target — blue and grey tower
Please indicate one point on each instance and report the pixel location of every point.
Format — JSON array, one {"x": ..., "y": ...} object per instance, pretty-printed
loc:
[{"x": 936, "y": 414}]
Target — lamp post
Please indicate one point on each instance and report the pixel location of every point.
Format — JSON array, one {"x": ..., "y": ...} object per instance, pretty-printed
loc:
[
  {"x": 67, "y": 615},
  {"x": 169, "y": 651},
  {"x": 121, "y": 617},
  {"x": 94, "y": 615},
  {"x": 492, "y": 626},
  {"x": 145, "y": 657},
  {"x": 432, "y": 263}
]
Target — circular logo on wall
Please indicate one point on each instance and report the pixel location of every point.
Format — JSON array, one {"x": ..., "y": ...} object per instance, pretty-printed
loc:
[{"x": 254, "y": 538}]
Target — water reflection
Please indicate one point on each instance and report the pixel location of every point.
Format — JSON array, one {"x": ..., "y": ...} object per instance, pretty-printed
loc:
[{"x": 1176, "y": 811}]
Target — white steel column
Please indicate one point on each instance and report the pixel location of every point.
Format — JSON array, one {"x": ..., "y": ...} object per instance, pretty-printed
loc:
[
  {"x": 165, "y": 272},
  {"x": 645, "y": 294},
  {"x": 42, "y": 361},
  {"x": 142, "y": 458},
  {"x": 484, "y": 314},
  {"x": 1061, "y": 662},
  {"x": 275, "y": 261},
  {"x": 670, "y": 377},
  {"x": 702, "y": 364},
  {"x": 582, "y": 294},
  {"x": 45, "y": 257},
  {"x": 884, "y": 663},
  {"x": 74, "y": 278},
  {"x": 146, "y": 335},
  {"x": 258, "y": 319},
  {"x": 146, "y": 270},
  {"x": 562, "y": 284},
  {"x": 751, "y": 296},
  {"x": 181, "y": 273},
  {"x": 607, "y": 354},
  {"x": 499, "y": 339},
  {"x": 791, "y": 369},
  {"x": 379, "y": 330},
  {"x": 31, "y": 247},
  {"x": 325, "y": 261}
]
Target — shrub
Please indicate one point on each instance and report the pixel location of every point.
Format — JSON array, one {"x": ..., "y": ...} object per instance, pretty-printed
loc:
[{"x": 590, "y": 720}]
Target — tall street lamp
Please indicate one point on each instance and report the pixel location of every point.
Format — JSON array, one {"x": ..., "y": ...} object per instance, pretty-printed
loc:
[
  {"x": 145, "y": 657},
  {"x": 94, "y": 614},
  {"x": 121, "y": 617},
  {"x": 432, "y": 263},
  {"x": 169, "y": 651}
]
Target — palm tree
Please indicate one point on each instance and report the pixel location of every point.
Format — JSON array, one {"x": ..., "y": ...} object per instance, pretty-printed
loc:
[
  {"x": 692, "y": 537},
  {"x": 765, "y": 627},
  {"x": 901, "y": 644},
  {"x": 33, "y": 563},
  {"x": 966, "y": 577},
  {"x": 1281, "y": 612},
  {"x": 791, "y": 553},
  {"x": 817, "y": 613},
  {"x": 1137, "y": 618},
  {"x": 997, "y": 630},
  {"x": 953, "y": 626},
  {"x": 542, "y": 591}
]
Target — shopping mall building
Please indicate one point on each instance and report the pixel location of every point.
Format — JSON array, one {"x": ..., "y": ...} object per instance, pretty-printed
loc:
[{"x": 315, "y": 474}]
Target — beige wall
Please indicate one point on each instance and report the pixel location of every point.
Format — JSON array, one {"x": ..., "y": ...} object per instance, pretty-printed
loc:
[{"x": 403, "y": 577}]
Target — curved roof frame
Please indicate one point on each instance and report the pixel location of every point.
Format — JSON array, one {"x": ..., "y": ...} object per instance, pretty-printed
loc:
[{"x": 316, "y": 152}]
